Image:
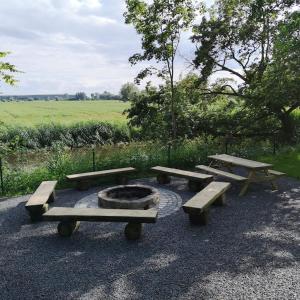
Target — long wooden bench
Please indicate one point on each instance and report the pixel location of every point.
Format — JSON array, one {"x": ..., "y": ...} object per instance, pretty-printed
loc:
[
  {"x": 221, "y": 173},
  {"x": 70, "y": 218},
  {"x": 83, "y": 180},
  {"x": 198, "y": 206},
  {"x": 196, "y": 181},
  {"x": 38, "y": 202}
]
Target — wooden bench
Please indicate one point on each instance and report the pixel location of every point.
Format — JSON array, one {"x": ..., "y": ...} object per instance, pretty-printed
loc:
[
  {"x": 221, "y": 173},
  {"x": 70, "y": 218},
  {"x": 83, "y": 180},
  {"x": 198, "y": 206},
  {"x": 276, "y": 173},
  {"x": 38, "y": 202},
  {"x": 196, "y": 181}
]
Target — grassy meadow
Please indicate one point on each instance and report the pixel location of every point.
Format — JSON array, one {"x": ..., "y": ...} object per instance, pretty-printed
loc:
[{"x": 30, "y": 113}]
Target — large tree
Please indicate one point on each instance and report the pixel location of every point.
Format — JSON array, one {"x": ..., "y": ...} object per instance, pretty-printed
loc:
[
  {"x": 160, "y": 25},
  {"x": 7, "y": 70},
  {"x": 245, "y": 38}
]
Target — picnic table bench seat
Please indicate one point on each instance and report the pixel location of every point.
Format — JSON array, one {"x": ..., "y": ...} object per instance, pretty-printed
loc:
[
  {"x": 196, "y": 180},
  {"x": 198, "y": 206},
  {"x": 221, "y": 173},
  {"x": 70, "y": 218},
  {"x": 38, "y": 202},
  {"x": 82, "y": 180}
]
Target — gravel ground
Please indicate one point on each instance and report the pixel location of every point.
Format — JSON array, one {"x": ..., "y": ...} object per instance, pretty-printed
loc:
[{"x": 249, "y": 250}]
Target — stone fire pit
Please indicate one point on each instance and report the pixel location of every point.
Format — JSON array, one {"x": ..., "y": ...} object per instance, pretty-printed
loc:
[{"x": 128, "y": 197}]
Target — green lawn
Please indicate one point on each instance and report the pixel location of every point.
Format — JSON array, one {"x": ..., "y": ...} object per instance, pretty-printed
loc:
[
  {"x": 288, "y": 162},
  {"x": 62, "y": 112}
]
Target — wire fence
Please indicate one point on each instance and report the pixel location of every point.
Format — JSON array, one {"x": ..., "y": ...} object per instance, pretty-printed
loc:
[{"x": 17, "y": 179}]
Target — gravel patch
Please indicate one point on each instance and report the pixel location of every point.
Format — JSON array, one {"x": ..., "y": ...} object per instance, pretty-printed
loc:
[{"x": 249, "y": 250}]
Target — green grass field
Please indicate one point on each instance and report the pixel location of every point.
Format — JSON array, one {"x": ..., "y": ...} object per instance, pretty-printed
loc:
[{"x": 62, "y": 112}]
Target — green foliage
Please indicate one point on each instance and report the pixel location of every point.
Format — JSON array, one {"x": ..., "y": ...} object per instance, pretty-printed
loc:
[
  {"x": 73, "y": 136},
  {"x": 128, "y": 91},
  {"x": 160, "y": 25},
  {"x": 256, "y": 42},
  {"x": 7, "y": 70}
]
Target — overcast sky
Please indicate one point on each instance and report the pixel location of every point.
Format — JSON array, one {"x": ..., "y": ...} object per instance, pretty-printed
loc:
[{"x": 66, "y": 46}]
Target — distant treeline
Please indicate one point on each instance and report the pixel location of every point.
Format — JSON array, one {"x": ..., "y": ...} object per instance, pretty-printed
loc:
[{"x": 58, "y": 97}]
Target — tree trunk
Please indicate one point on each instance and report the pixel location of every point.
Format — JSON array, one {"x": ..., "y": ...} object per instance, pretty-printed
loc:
[{"x": 288, "y": 129}]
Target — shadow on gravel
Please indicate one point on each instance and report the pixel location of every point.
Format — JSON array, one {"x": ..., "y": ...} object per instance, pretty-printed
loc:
[{"x": 251, "y": 236}]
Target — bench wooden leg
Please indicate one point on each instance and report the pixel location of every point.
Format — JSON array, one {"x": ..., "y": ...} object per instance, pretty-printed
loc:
[
  {"x": 220, "y": 201},
  {"x": 273, "y": 183},
  {"x": 133, "y": 231},
  {"x": 66, "y": 228},
  {"x": 121, "y": 179},
  {"x": 199, "y": 219},
  {"x": 163, "y": 179},
  {"x": 51, "y": 198},
  {"x": 82, "y": 185},
  {"x": 195, "y": 186},
  {"x": 36, "y": 213}
]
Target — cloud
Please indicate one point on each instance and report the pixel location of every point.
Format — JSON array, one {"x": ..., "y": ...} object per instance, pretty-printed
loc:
[{"x": 65, "y": 46}]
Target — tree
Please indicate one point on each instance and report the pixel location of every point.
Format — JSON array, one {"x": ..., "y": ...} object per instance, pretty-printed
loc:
[
  {"x": 81, "y": 96},
  {"x": 7, "y": 70},
  {"x": 160, "y": 25},
  {"x": 240, "y": 37},
  {"x": 128, "y": 91}
]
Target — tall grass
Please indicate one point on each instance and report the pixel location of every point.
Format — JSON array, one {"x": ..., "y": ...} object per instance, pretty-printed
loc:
[
  {"x": 24, "y": 176},
  {"x": 75, "y": 135}
]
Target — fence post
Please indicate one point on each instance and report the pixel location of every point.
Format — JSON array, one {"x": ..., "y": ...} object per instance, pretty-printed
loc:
[
  {"x": 94, "y": 163},
  {"x": 169, "y": 154},
  {"x": 274, "y": 144},
  {"x": 1, "y": 176}
]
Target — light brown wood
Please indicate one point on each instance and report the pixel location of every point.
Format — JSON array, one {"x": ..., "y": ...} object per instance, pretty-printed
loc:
[
  {"x": 242, "y": 162},
  {"x": 181, "y": 173},
  {"x": 42, "y": 194},
  {"x": 221, "y": 173},
  {"x": 90, "y": 175},
  {"x": 100, "y": 215},
  {"x": 206, "y": 197},
  {"x": 276, "y": 173}
]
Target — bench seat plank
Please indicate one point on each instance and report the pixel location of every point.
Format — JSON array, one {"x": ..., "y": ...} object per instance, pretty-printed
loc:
[
  {"x": 100, "y": 215},
  {"x": 89, "y": 175},
  {"x": 181, "y": 173},
  {"x": 221, "y": 173},
  {"x": 206, "y": 197},
  {"x": 42, "y": 194},
  {"x": 276, "y": 173}
]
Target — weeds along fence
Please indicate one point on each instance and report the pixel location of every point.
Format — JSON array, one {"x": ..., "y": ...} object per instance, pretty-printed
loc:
[{"x": 23, "y": 173}]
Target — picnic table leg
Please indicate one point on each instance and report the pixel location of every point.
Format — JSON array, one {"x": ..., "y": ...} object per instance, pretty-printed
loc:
[
  {"x": 246, "y": 184},
  {"x": 273, "y": 183}
]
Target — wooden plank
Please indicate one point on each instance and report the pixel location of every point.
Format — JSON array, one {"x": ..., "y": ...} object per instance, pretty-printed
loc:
[
  {"x": 89, "y": 175},
  {"x": 242, "y": 162},
  {"x": 181, "y": 173},
  {"x": 221, "y": 173},
  {"x": 276, "y": 173},
  {"x": 42, "y": 194},
  {"x": 100, "y": 215},
  {"x": 206, "y": 197}
]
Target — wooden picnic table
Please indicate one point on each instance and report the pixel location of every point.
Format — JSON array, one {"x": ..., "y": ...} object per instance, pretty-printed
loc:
[{"x": 257, "y": 171}]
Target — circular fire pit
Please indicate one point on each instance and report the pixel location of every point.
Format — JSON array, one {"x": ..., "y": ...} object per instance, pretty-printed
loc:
[{"x": 128, "y": 197}]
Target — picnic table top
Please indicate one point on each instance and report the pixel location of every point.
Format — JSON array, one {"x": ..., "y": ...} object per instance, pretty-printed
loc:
[{"x": 242, "y": 162}]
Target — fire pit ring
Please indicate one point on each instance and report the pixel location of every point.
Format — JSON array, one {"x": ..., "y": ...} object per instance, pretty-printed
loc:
[{"x": 128, "y": 197}]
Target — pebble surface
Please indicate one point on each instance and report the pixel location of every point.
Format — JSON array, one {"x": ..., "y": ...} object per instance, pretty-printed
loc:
[{"x": 249, "y": 250}]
